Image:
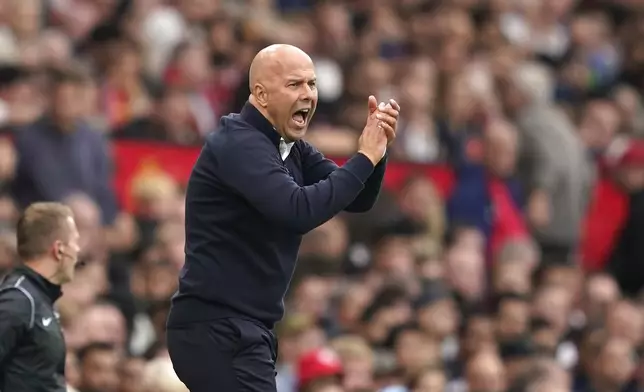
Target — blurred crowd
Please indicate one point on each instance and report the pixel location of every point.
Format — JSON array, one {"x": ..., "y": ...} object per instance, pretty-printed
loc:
[{"x": 535, "y": 105}]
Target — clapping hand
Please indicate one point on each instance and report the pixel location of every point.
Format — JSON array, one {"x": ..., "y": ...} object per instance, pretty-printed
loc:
[{"x": 388, "y": 118}]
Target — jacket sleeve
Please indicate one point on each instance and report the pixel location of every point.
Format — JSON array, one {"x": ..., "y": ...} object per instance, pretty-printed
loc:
[
  {"x": 253, "y": 169},
  {"x": 15, "y": 318},
  {"x": 316, "y": 168}
]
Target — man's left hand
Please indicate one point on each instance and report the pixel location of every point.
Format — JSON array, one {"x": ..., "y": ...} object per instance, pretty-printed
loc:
[{"x": 388, "y": 116}]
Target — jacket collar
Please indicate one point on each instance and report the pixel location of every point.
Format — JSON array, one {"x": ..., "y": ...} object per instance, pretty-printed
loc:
[
  {"x": 53, "y": 291},
  {"x": 252, "y": 116}
]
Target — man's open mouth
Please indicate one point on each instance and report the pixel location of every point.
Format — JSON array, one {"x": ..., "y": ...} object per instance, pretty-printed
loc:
[{"x": 301, "y": 115}]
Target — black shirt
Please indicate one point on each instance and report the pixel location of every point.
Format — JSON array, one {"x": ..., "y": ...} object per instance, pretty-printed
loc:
[
  {"x": 246, "y": 212},
  {"x": 32, "y": 346}
]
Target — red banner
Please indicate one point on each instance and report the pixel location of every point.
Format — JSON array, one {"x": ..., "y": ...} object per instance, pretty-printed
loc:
[{"x": 135, "y": 158}]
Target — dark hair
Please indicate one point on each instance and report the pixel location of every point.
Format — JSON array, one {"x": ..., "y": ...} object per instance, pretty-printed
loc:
[
  {"x": 398, "y": 331},
  {"x": 39, "y": 226},
  {"x": 386, "y": 297},
  {"x": 454, "y": 231},
  {"x": 509, "y": 296},
  {"x": 72, "y": 74}
]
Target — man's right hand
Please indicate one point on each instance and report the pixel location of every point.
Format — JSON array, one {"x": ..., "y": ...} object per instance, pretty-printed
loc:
[{"x": 373, "y": 141}]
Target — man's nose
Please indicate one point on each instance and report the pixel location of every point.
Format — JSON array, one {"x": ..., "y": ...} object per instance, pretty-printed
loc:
[{"x": 308, "y": 93}]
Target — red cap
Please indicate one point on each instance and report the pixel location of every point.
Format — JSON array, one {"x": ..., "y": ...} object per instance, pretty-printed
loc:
[{"x": 318, "y": 363}]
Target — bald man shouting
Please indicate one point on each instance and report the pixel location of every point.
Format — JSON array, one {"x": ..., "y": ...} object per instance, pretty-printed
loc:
[{"x": 256, "y": 188}]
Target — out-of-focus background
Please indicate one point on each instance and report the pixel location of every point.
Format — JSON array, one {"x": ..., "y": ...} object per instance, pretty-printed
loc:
[{"x": 506, "y": 254}]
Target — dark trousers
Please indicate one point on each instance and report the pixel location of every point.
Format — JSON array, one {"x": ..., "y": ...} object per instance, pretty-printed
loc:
[{"x": 225, "y": 355}]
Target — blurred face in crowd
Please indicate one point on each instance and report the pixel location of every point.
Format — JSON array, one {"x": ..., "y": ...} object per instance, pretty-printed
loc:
[
  {"x": 357, "y": 373},
  {"x": 334, "y": 237},
  {"x": 289, "y": 348},
  {"x": 198, "y": 10},
  {"x": 552, "y": 377},
  {"x": 459, "y": 101},
  {"x": 87, "y": 216},
  {"x": 161, "y": 281},
  {"x": 284, "y": 84},
  {"x": 465, "y": 272},
  {"x": 589, "y": 348},
  {"x": 512, "y": 277},
  {"x": 415, "y": 350},
  {"x": 615, "y": 364},
  {"x": 373, "y": 75},
  {"x": 312, "y": 296},
  {"x": 25, "y": 17},
  {"x": 431, "y": 269},
  {"x": 352, "y": 305},
  {"x": 552, "y": 304},
  {"x": 439, "y": 319},
  {"x": 601, "y": 292},
  {"x": 417, "y": 198},
  {"x": 479, "y": 335},
  {"x": 545, "y": 340},
  {"x": 485, "y": 373},
  {"x": 501, "y": 148},
  {"x": 600, "y": 123},
  {"x": 625, "y": 320},
  {"x": 100, "y": 371},
  {"x": 515, "y": 367},
  {"x": 417, "y": 90},
  {"x": 157, "y": 197},
  {"x": 173, "y": 110},
  {"x": 99, "y": 323},
  {"x": 171, "y": 239},
  {"x": 394, "y": 258},
  {"x": 628, "y": 103},
  {"x": 589, "y": 30},
  {"x": 335, "y": 20},
  {"x": 512, "y": 319},
  {"x": 311, "y": 339},
  {"x": 430, "y": 380},
  {"x": 55, "y": 47},
  {"x": 389, "y": 317},
  {"x": 565, "y": 276},
  {"x": 66, "y": 104},
  {"x": 194, "y": 66},
  {"x": 126, "y": 64},
  {"x": 470, "y": 239},
  {"x": 222, "y": 39}
]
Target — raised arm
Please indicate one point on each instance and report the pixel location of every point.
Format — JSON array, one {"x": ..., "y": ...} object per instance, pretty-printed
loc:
[
  {"x": 317, "y": 167},
  {"x": 253, "y": 170}
]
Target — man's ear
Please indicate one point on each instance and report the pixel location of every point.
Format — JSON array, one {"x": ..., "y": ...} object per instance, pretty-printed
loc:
[
  {"x": 261, "y": 95},
  {"x": 58, "y": 250}
]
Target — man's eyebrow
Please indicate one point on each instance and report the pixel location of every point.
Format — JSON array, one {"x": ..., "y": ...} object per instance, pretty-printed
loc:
[{"x": 299, "y": 79}]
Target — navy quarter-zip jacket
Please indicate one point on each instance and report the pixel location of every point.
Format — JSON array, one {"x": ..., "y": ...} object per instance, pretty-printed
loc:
[{"x": 246, "y": 212}]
